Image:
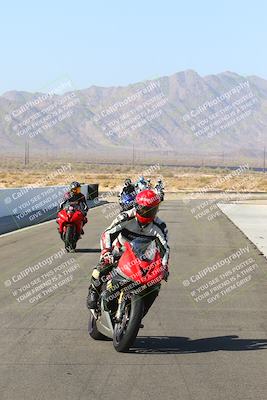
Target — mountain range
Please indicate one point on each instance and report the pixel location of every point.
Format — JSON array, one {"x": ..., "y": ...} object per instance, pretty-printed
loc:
[{"x": 179, "y": 117}]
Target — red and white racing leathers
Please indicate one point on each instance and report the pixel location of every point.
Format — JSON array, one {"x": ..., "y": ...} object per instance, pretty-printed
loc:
[{"x": 126, "y": 228}]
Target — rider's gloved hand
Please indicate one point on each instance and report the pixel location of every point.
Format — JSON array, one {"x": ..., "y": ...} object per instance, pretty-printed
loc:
[{"x": 107, "y": 257}]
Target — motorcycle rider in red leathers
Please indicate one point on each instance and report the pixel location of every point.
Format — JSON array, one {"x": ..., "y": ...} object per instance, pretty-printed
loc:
[
  {"x": 139, "y": 221},
  {"x": 74, "y": 195}
]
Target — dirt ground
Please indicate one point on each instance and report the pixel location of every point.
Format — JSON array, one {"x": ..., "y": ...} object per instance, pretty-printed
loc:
[{"x": 110, "y": 177}]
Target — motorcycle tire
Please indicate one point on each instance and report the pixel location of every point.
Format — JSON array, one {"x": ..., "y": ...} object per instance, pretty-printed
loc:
[
  {"x": 124, "y": 337},
  {"x": 69, "y": 238}
]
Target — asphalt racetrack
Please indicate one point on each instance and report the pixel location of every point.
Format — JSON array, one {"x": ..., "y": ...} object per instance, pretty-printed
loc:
[{"x": 205, "y": 338}]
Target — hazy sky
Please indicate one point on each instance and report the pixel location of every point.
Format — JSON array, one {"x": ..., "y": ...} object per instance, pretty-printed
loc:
[{"x": 116, "y": 42}]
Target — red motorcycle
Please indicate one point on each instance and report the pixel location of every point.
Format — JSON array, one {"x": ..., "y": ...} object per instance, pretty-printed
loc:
[
  {"x": 70, "y": 221},
  {"x": 127, "y": 294}
]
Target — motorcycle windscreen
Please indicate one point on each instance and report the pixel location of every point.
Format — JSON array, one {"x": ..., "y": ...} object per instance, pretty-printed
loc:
[
  {"x": 144, "y": 248},
  {"x": 72, "y": 206}
]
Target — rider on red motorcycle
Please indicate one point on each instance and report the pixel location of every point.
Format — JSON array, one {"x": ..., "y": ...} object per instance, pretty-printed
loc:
[
  {"x": 74, "y": 195},
  {"x": 139, "y": 221}
]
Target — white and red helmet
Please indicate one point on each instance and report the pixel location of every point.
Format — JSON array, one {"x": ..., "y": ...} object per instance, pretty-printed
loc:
[{"x": 146, "y": 204}]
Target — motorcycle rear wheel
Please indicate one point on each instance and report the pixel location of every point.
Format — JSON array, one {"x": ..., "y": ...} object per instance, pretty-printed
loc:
[{"x": 126, "y": 331}]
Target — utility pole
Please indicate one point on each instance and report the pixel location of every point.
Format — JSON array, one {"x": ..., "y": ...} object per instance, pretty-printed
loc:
[
  {"x": 26, "y": 152},
  {"x": 264, "y": 159},
  {"x": 133, "y": 156}
]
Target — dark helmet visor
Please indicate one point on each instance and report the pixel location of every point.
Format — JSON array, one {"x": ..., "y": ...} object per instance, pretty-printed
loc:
[{"x": 146, "y": 211}]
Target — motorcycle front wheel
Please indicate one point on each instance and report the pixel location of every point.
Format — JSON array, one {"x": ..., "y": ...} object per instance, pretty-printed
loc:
[
  {"x": 70, "y": 243},
  {"x": 125, "y": 332}
]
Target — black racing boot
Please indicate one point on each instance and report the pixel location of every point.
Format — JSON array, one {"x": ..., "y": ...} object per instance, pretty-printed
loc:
[
  {"x": 92, "y": 298},
  {"x": 96, "y": 284}
]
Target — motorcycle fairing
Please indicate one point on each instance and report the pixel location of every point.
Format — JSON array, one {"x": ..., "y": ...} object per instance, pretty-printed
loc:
[
  {"x": 66, "y": 217},
  {"x": 140, "y": 262}
]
